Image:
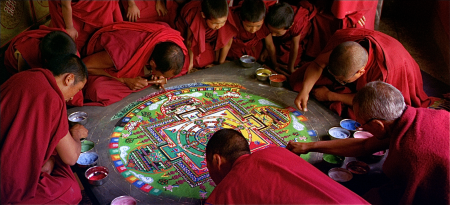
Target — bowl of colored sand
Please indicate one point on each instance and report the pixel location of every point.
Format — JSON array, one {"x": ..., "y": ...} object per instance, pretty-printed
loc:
[
  {"x": 362, "y": 134},
  {"x": 247, "y": 61},
  {"x": 78, "y": 117},
  {"x": 87, "y": 145},
  {"x": 87, "y": 159},
  {"x": 358, "y": 167},
  {"x": 338, "y": 133},
  {"x": 96, "y": 175},
  {"x": 340, "y": 174},
  {"x": 333, "y": 159},
  {"x": 277, "y": 80},
  {"x": 263, "y": 74},
  {"x": 349, "y": 124},
  {"x": 124, "y": 200}
]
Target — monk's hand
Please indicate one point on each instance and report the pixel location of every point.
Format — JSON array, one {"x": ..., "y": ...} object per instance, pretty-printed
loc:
[
  {"x": 73, "y": 33},
  {"x": 160, "y": 8},
  {"x": 297, "y": 147},
  {"x": 78, "y": 132},
  {"x": 48, "y": 165},
  {"x": 321, "y": 94},
  {"x": 133, "y": 13},
  {"x": 302, "y": 100},
  {"x": 135, "y": 83},
  {"x": 161, "y": 85},
  {"x": 263, "y": 56},
  {"x": 362, "y": 21}
]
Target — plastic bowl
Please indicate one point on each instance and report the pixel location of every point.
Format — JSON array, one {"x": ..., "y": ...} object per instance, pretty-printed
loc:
[
  {"x": 78, "y": 117},
  {"x": 263, "y": 74},
  {"x": 247, "y": 61},
  {"x": 87, "y": 159},
  {"x": 338, "y": 133},
  {"x": 362, "y": 134},
  {"x": 96, "y": 175}
]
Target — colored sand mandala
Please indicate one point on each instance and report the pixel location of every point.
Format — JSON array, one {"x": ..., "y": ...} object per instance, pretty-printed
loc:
[{"x": 159, "y": 143}]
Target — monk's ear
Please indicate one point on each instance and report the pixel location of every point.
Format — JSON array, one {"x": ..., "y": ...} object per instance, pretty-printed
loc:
[
  {"x": 69, "y": 79},
  {"x": 361, "y": 71},
  {"x": 379, "y": 125},
  {"x": 218, "y": 161},
  {"x": 152, "y": 64},
  {"x": 203, "y": 15}
]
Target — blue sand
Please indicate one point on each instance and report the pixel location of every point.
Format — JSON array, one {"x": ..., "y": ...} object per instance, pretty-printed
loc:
[
  {"x": 87, "y": 158},
  {"x": 350, "y": 124},
  {"x": 339, "y": 133}
]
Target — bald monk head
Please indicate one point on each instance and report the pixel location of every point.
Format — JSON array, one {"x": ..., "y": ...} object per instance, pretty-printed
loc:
[
  {"x": 56, "y": 44},
  {"x": 167, "y": 59},
  {"x": 280, "y": 18},
  {"x": 222, "y": 150},
  {"x": 347, "y": 62},
  {"x": 252, "y": 13},
  {"x": 215, "y": 12}
]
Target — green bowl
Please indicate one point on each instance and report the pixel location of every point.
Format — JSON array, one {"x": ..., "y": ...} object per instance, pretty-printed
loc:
[{"x": 87, "y": 145}]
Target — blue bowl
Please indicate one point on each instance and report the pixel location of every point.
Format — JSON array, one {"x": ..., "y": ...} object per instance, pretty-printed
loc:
[
  {"x": 338, "y": 133},
  {"x": 349, "y": 124}
]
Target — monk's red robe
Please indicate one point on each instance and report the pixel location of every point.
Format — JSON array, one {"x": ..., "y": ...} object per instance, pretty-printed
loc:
[
  {"x": 205, "y": 41},
  {"x": 34, "y": 119},
  {"x": 130, "y": 46},
  {"x": 292, "y": 181},
  {"x": 245, "y": 43},
  {"x": 149, "y": 14},
  {"x": 418, "y": 159},
  {"x": 351, "y": 11},
  {"x": 301, "y": 27},
  {"x": 388, "y": 61},
  {"x": 87, "y": 16}
]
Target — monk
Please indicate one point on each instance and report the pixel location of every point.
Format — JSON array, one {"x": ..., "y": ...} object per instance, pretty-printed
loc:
[
  {"x": 289, "y": 25},
  {"x": 31, "y": 49},
  {"x": 152, "y": 11},
  {"x": 122, "y": 57},
  {"x": 418, "y": 158},
  {"x": 352, "y": 58},
  {"x": 270, "y": 176},
  {"x": 83, "y": 17},
  {"x": 248, "y": 18},
  {"x": 37, "y": 146},
  {"x": 207, "y": 32}
]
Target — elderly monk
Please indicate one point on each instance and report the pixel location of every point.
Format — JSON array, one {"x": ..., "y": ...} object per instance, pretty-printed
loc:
[
  {"x": 418, "y": 158},
  {"x": 270, "y": 176},
  {"x": 82, "y": 18},
  {"x": 122, "y": 57},
  {"x": 352, "y": 58},
  {"x": 37, "y": 146}
]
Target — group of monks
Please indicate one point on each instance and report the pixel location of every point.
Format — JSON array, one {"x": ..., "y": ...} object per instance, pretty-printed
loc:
[{"x": 98, "y": 52}]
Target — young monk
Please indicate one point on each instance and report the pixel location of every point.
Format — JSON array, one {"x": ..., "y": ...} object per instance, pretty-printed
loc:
[
  {"x": 207, "y": 33},
  {"x": 352, "y": 58},
  {"x": 151, "y": 11},
  {"x": 248, "y": 19},
  {"x": 122, "y": 57},
  {"x": 31, "y": 49},
  {"x": 289, "y": 26},
  {"x": 270, "y": 176},
  {"x": 37, "y": 146},
  {"x": 418, "y": 158},
  {"x": 82, "y": 18}
]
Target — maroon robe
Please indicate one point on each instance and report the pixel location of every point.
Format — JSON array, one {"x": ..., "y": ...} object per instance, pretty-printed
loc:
[
  {"x": 388, "y": 61},
  {"x": 130, "y": 46},
  {"x": 277, "y": 176},
  {"x": 34, "y": 120},
  {"x": 205, "y": 41},
  {"x": 149, "y": 14}
]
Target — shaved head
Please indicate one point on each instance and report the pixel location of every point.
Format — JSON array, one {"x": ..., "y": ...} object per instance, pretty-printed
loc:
[{"x": 347, "y": 58}]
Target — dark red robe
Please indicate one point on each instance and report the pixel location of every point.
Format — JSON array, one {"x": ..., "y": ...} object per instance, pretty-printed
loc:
[
  {"x": 418, "y": 159},
  {"x": 245, "y": 43},
  {"x": 277, "y": 176},
  {"x": 149, "y": 14},
  {"x": 87, "y": 16},
  {"x": 205, "y": 41},
  {"x": 130, "y": 46},
  {"x": 388, "y": 61},
  {"x": 34, "y": 120}
]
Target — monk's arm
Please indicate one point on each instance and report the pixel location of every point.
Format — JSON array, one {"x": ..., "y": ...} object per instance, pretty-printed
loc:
[
  {"x": 271, "y": 50},
  {"x": 224, "y": 52},
  {"x": 69, "y": 147},
  {"x": 344, "y": 98},
  {"x": 293, "y": 53},
  {"x": 133, "y": 12},
  {"x": 66, "y": 9},
  {"x": 97, "y": 62},
  {"x": 188, "y": 43},
  {"x": 350, "y": 147}
]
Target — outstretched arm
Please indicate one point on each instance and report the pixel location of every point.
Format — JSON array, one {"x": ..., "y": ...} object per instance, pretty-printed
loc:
[
  {"x": 293, "y": 53},
  {"x": 224, "y": 52},
  {"x": 188, "y": 42},
  {"x": 69, "y": 147},
  {"x": 66, "y": 9},
  {"x": 324, "y": 94}
]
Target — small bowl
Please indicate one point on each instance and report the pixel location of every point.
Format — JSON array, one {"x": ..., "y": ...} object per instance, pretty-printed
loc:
[
  {"x": 124, "y": 200},
  {"x": 333, "y": 159},
  {"x": 263, "y": 74},
  {"x": 87, "y": 159},
  {"x": 340, "y": 174},
  {"x": 78, "y": 117},
  {"x": 247, "y": 61},
  {"x": 277, "y": 80},
  {"x": 349, "y": 124},
  {"x": 87, "y": 145},
  {"x": 338, "y": 133},
  {"x": 362, "y": 134},
  {"x": 96, "y": 175},
  {"x": 358, "y": 167}
]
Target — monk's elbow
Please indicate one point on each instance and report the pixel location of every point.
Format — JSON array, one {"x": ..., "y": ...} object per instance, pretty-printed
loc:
[{"x": 70, "y": 160}]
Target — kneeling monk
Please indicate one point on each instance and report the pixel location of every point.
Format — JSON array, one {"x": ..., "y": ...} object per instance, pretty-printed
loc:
[{"x": 121, "y": 55}]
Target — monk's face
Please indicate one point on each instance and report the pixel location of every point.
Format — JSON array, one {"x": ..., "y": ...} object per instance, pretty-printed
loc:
[
  {"x": 73, "y": 89},
  {"x": 277, "y": 31},
  {"x": 167, "y": 74},
  {"x": 352, "y": 77},
  {"x": 372, "y": 125},
  {"x": 217, "y": 23},
  {"x": 252, "y": 27}
]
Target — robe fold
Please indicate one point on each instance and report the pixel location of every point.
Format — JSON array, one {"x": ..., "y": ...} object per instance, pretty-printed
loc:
[
  {"x": 277, "y": 176},
  {"x": 205, "y": 41},
  {"x": 87, "y": 16},
  {"x": 245, "y": 43},
  {"x": 388, "y": 61},
  {"x": 130, "y": 46},
  {"x": 34, "y": 120},
  {"x": 418, "y": 159},
  {"x": 149, "y": 14}
]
